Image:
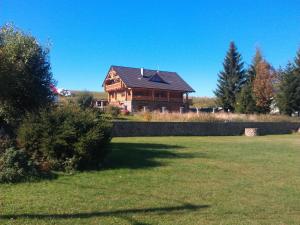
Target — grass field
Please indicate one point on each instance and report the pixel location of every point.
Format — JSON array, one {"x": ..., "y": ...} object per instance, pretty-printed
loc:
[{"x": 171, "y": 180}]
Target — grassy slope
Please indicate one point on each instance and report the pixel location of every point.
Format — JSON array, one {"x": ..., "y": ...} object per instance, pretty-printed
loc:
[
  {"x": 171, "y": 180},
  {"x": 76, "y": 93},
  {"x": 96, "y": 94},
  {"x": 204, "y": 102}
]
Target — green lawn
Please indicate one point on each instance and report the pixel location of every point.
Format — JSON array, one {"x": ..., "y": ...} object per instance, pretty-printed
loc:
[{"x": 171, "y": 180}]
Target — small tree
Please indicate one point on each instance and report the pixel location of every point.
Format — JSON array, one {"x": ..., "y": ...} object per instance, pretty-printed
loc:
[
  {"x": 231, "y": 79},
  {"x": 25, "y": 74}
]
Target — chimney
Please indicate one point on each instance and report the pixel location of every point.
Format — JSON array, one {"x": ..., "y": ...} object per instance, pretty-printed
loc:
[{"x": 142, "y": 72}]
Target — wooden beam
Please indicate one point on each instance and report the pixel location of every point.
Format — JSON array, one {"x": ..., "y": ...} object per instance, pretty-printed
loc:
[{"x": 153, "y": 95}]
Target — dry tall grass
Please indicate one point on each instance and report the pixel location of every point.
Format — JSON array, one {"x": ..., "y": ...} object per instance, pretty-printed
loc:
[{"x": 212, "y": 117}]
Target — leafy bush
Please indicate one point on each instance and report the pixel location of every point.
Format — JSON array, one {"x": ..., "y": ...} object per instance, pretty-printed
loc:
[
  {"x": 16, "y": 166},
  {"x": 114, "y": 111},
  {"x": 68, "y": 138}
]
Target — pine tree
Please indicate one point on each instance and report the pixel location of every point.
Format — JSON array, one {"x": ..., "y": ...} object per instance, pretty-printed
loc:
[
  {"x": 231, "y": 79},
  {"x": 245, "y": 101},
  {"x": 297, "y": 62},
  {"x": 263, "y": 86},
  {"x": 288, "y": 97},
  {"x": 284, "y": 97},
  {"x": 297, "y": 84}
]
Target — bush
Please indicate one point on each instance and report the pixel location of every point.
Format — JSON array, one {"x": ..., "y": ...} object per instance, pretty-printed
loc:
[
  {"x": 15, "y": 166},
  {"x": 5, "y": 143},
  {"x": 114, "y": 111},
  {"x": 68, "y": 138}
]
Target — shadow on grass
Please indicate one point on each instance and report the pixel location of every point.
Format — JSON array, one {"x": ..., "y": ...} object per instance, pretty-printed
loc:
[
  {"x": 123, "y": 213},
  {"x": 141, "y": 155}
]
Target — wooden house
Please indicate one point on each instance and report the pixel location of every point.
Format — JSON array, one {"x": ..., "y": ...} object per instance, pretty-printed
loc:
[{"x": 136, "y": 89}]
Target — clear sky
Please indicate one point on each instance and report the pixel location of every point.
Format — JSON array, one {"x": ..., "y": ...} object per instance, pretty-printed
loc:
[{"x": 189, "y": 37}]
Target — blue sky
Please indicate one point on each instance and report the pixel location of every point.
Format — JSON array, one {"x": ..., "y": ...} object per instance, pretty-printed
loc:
[{"x": 189, "y": 37}]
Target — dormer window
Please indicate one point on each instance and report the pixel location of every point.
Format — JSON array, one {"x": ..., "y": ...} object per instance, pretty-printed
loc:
[{"x": 157, "y": 78}]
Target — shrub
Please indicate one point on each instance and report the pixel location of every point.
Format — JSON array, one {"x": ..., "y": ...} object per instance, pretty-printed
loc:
[
  {"x": 68, "y": 138},
  {"x": 114, "y": 111},
  {"x": 6, "y": 136},
  {"x": 15, "y": 166},
  {"x": 5, "y": 143}
]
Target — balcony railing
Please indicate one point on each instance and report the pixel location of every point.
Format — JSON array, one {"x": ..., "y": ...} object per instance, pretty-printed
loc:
[
  {"x": 115, "y": 86},
  {"x": 158, "y": 99},
  {"x": 176, "y": 100}
]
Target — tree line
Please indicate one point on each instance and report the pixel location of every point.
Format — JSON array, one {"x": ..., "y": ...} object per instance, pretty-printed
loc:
[{"x": 259, "y": 88}]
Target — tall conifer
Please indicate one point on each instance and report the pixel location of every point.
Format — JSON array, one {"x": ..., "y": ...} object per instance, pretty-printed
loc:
[
  {"x": 231, "y": 79},
  {"x": 288, "y": 97}
]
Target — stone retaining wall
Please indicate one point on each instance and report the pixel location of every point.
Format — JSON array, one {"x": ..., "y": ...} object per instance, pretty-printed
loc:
[{"x": 135, "y": 129}]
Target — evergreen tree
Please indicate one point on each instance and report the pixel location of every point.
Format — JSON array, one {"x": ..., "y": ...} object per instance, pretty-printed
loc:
[
  {"x": 245, "y": 101},
  {"x": 288, "y": 97},
  {"x": 231, "y": 79},
  {"x": 297, "y": 62}
]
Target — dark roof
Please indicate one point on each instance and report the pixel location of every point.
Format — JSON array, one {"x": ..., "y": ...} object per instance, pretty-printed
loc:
[{"x": 152, "y": 79}]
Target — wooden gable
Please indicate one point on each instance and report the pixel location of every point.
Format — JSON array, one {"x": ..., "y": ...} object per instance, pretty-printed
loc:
[{"x": 113, "y": 81}]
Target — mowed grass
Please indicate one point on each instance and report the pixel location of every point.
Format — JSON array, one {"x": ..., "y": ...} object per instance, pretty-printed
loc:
[{"x": 170, "y": 180}]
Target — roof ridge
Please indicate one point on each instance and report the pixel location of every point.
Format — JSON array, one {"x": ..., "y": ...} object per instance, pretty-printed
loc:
[{"x": 163, "y": 71}]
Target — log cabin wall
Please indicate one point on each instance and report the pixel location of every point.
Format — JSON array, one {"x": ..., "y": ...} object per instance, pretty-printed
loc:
[{"x": 138, "y": 98}]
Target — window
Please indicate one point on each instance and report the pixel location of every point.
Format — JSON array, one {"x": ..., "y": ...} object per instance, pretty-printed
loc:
[
  {"x": 160, "y": 94},
  {"x": 175, "y": 95},
  {"x": 142, "y": 93},
  {"x": 157, "y": 78}
]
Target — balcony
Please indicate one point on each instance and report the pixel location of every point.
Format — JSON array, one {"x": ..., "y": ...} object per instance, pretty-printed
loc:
[
  {"x": 179, "y": 100},
  {"x": 142, "y": 98},
  {"x": 157, "y": 99},
  {"x": 115, "y": 86}
]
